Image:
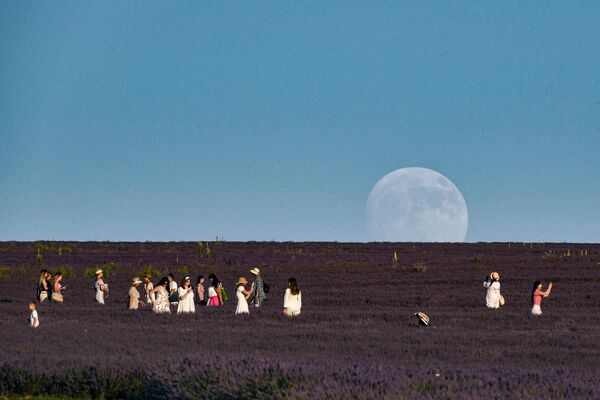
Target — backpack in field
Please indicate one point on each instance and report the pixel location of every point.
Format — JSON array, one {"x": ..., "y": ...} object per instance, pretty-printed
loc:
[
  {"x": 224, "y": 294},
  {"x": 266, "y": 287}
]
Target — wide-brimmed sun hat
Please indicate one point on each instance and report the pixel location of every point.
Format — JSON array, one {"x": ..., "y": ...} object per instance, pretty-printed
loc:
[
  {"x": 255, "y": 271},
  {"x": 136, "y": 281},
  {"x": 495, "y": 276},
  {"x": 423, "y": 318},
  {"x": 241, "y": 281},
  {"x": 98, "y": 271}
]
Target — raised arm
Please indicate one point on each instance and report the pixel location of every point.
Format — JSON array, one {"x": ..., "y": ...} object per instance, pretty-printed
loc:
[{"x": 547, "y": 292}]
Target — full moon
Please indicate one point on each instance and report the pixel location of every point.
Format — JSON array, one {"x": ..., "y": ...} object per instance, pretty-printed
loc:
[{"x": 416, "y": 205}]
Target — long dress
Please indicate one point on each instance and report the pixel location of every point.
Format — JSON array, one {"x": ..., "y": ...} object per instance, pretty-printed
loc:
[
  {"x": 292, "y": 303},
  {"x": 242, "y": 304},
  {"x": 185, "y": 305},
  {"x": 99, "y": 293},
  {"x": 492, "y": 298},
  {"x": 161, "y": 303}
]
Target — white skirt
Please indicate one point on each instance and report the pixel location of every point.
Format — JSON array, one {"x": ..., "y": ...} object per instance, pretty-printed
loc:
[{"x": 536, "y": 310}]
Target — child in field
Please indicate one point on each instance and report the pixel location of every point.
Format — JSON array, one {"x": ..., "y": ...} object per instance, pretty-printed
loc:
[
  {"x": 536, "y": 297},
  {"x": 34, "y": 321},
  {"x": 134, "y": 294},
  {"x": 242, "y": 296},
  {"x": 292, "y": 301},
  {"x": 185, "y": 294}
]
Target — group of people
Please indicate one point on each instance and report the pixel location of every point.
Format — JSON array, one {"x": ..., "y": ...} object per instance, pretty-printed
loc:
[
  {"x": 494, "y": 298},
  {"x": 166, "y": 293}
]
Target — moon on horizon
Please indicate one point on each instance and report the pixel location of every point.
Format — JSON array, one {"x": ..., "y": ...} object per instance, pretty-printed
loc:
[{"x": 416, "y": 205}]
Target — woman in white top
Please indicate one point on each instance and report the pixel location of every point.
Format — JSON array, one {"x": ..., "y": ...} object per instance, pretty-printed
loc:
[
  {"x": 100, "y": 287},
  {"x": 292, "y": 301},
  {"x": 160, "y": 297},
  {"x": 186, "y": 297},
  {"x": 242, "y": 296},
  {"x": 492, "y": 298},
  {"x": 148, "y": 288}
]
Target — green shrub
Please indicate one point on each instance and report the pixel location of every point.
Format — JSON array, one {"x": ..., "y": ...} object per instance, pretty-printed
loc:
[
  {"x": 4, "y": 273},
  {"x": 152, "y": 271},
  {"x": 107, "y": 269},
  {"x": 66, "y": 271}
]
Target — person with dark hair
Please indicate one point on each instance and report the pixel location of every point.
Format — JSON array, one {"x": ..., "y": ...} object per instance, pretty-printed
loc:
[
  {"x": 215, "y": 296},
  {"x": 173, "y": 297},
  {"x": 536, "y": 297},
  {"x": 57, "y": 288},
  {"x": 200, "y": 290},
  {"x": 160, "y": 300},
  {"x": 43, "y": 286},
  {"x": 292, "y": 301},
  {"x": 185, "y": 294}
]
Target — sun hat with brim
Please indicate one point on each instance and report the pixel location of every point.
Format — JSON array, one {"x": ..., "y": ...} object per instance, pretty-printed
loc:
[
  {"x": 423, "y": 318},
  {"x": 241, "y": 281},
  {"x": 136, "y": 281},
  {"x": 98, "y": 272},
  {"x": 495, "y": 276},
  {"x": 255, "y": 271}
]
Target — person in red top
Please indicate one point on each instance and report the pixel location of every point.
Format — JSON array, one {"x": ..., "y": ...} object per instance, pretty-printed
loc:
[{"x": 536, "y": 297}]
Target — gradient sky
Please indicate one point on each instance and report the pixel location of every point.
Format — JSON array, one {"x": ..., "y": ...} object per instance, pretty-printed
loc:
[{"x": 147, "y": 120}]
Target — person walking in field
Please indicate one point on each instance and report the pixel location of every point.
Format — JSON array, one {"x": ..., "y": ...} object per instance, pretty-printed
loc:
[
  {"x": 536, "y": 297},
  {"x": 173, "y": 297},
  {"x": 292, "y": 300},
  {"x": 134, "y": 294},
  {"x": 100, "y": 287},
  {"x": 200, "y": 290},
  {"x": 242, "y": 296},
  {"x": 148, "y": 287},
  {"x": 215, "y": 295},
  {"x": 161, "y": 297},
  {"x": 34, "y": 321},
  {"x": 57, "y": 288},
  {"x": 185, "y": 294},
  {"x": 258, "y": 296},
  {"x": 493, "y": 298},
  {"x": 43, "y": 286}
]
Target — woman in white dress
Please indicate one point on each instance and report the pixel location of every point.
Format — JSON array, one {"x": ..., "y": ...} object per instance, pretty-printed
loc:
[
  {"x": 160, "y": 300},
  {"x": 185, "y": 296},
  {"x": 493, "y": 296},
  {"x": 292, "y": 301},
  {"x": 100, "y": 287},
  {"x": 242, "y": 297}
]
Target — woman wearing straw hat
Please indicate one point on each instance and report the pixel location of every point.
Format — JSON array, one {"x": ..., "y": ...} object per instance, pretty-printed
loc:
[
  {"x": 242, "y": 296},
  {"x": 493, "y": 298},
  {"x": 100, "y": 287},
  {"x": 185, "y": 295},
  {"x": 257, "y": 292},
  {"x": 134, "y": 294}
]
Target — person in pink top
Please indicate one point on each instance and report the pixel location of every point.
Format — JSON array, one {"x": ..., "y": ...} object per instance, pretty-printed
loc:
[{"x": 536, "y": 297}]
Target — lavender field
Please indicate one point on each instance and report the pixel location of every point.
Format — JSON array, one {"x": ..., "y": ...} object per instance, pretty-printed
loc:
[{"x": 356, "y": 337}]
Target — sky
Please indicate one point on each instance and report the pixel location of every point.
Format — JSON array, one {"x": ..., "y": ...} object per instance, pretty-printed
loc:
[{"x": 153, "y": 120}]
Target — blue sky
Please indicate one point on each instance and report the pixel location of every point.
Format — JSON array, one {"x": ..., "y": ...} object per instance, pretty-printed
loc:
[{"x": 273, "y": 120}]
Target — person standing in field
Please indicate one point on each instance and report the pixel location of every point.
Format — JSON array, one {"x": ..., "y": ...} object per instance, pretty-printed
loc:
[
  {"x": 57, "y": 288},
  {"x": 258, "y": 288},
  {"x": 536, "y": 297},
  {"x": 185, "y": 295},
  {"x": 292, "y": 300},
  {"x": 200, "y": 290},
  {"x": 134, "y": 294},
  {"x": 493, "y": 296},
  {"x": 215, "y": 297},
  {"x": 161, "y": 297},
  {"x": 34, "y": 321},
  {"x": 242, "y": 296},
  {"x": 148, "y": 287},
  {"x": 100, "y": 287},
  {"x": 173, "y": 297},
  {"x": 43, "y": 286}
]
